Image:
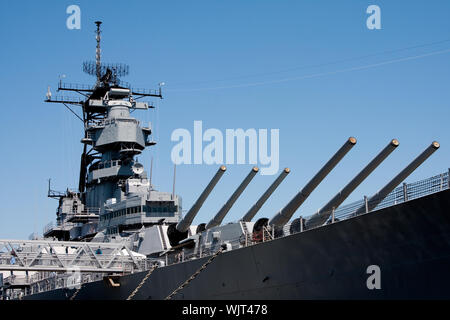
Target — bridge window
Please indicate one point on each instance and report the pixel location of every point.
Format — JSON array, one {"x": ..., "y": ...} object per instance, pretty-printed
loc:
[{"x": 164, "y": 209}]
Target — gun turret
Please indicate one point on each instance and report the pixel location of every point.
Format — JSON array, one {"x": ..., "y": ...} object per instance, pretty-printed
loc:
[
  {"x": 217, "y": 220},
  {"x": 254, "y": 210},
  {"x": 380, "y": 195},
  {"x": 184, "y": 224},
  {"x": 322, "y": 215},
  {"x": 283, "y": 216}
]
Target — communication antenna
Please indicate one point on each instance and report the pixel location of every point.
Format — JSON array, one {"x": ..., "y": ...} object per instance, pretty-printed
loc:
[
  {"x": 105, "y": 73},
  {"x": 98, "y": 52}
]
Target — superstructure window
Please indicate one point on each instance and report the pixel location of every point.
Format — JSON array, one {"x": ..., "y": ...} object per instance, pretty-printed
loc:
[{"x": 161, "y": 209}]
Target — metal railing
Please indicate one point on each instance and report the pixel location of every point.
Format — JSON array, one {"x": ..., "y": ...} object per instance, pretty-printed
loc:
[
  {"x": 59, "y": 225},
  {"x": 104, "y": 122},
  {"x": 61, "y": 256},
  {"x": 74, "y": 86},
  {"x": 245, "y": 240},
  {"x": 65, "y": 99},
  {"x": 21, "y": 285},
  {"x": 91, "y": 210},
  {"x": 86, "y": 210},
  {"x": 400, "y": 194},
  {"x": 143, "y": 91},
  {"x": 90, "y": 135},
  {"x": 49, "y": 226}
]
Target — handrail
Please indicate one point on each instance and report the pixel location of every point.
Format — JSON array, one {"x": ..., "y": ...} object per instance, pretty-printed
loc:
[
  {"x": 403, "y": 193},
  {"x": 104, "y": 122}
]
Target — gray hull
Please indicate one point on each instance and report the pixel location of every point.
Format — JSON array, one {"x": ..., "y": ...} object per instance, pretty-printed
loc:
[{"x": 410, "y": 242}]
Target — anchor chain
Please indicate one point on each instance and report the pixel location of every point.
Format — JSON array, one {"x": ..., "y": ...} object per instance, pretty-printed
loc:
[
  {"x": 75, "y": 293},
  {"x": 142, "y": 282},
  {"x": 203, "y": 267}
]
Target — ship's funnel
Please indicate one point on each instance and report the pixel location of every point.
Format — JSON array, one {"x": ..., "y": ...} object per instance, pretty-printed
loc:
[
  {"x": 217, "y": 220},
  {"x": 184, "y": 224},
  {"x": 375, "y": 200},
  {"x": 254, "y": 210},
  {"x": 322, "y": 215},
  {"x": 283, "y": 216}
]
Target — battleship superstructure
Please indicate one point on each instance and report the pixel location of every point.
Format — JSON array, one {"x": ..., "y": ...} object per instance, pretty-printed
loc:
[
  {"x": 125, "y": 240},
  {"x": 114, "y": 193}
]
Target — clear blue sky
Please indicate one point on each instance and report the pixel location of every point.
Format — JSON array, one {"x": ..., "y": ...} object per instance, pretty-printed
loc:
[{"x": 211, "y": 54}]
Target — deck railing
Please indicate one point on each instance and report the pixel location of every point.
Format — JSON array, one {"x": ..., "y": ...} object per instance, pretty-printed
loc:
[{"x": 403, "y": 193}]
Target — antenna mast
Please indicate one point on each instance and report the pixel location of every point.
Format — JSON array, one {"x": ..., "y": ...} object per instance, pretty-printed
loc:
[{"x": 98, "y": 52}]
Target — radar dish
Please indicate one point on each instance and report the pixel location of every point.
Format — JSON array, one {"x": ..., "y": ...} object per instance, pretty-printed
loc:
[
  {"x": 137, "y": 168},
  {"x": 118, "y": 69}
]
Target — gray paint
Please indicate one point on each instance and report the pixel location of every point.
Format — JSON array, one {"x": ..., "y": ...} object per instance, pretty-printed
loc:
[
  {"x": 322, "y": 215},
  {"x": 217, "y": 220},
  {"x": 255, "y": 208},
  {"x": 184, "y": 224},
  {"x": 285, "y": 214},
  {"x": 380, "y": 195}
]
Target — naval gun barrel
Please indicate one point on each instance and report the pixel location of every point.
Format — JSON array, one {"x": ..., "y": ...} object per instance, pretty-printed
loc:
[
  {"x": 255, "y": 208},
  {"x": 217, "y": 220},
  {"x": 380, "y": 195},
  {"x": 184, "y": 224},
  {"x": 283, "y": 216},
  {"x": 322, "y": 215}
]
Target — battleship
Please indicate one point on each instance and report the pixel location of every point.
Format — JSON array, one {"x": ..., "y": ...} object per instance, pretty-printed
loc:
[{"x": 118, "y": 238}]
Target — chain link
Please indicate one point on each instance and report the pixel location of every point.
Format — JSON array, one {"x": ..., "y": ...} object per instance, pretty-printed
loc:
[
  {"x": 203, "y": 267},
  {"x": 75, "y": 293},
  {"x": 142, "y": 282}
]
